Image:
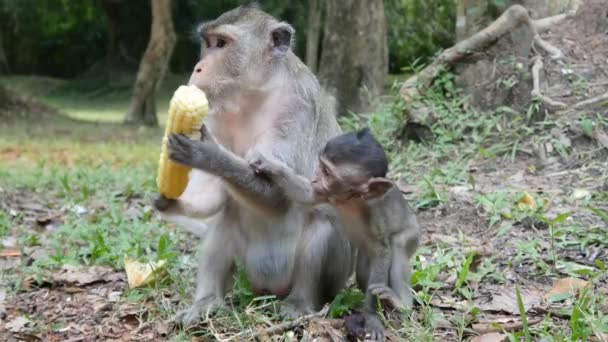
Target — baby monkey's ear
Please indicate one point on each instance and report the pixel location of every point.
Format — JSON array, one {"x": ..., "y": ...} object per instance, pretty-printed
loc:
[{"x": 377, "y": 187}]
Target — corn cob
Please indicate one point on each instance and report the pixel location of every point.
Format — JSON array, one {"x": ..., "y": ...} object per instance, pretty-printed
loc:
[{"x": 187, "y": 109}]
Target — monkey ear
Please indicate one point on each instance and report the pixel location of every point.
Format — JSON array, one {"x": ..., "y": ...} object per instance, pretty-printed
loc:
[
  {"x": 281, "y": 36},
  {"x": 377, "y": 187}
]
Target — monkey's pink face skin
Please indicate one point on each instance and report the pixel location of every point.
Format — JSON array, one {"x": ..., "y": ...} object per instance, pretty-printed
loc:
[
  {"x": 205, "y": 73},
  {"x": 210, "y": 70}
]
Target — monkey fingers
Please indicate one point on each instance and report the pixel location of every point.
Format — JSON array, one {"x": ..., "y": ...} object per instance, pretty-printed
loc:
[
  {"x": 386, "y": 295},
  {"x": 374, "y": 329},
  {"x": 205, "y": 135},
  {"x": 291, "y": 311},
  {"x": 180, "y": 149},
  {"x": 192, "y": 315},
  {"x": 161, "y": 203},
  {"x": 260, "y": 164}
]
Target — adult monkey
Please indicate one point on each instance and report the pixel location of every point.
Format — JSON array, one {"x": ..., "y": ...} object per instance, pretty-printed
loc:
[{"x": 263, "y": 99}]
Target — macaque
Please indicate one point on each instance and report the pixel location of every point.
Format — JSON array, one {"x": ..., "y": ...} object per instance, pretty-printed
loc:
[
  {"x": 262, "y": 99},
  {"x": 372, "y": 213}
]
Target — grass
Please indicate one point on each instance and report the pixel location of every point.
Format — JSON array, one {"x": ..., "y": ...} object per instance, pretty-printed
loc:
[
  {"x": 103, "y": 99},
  {"x": 101, "y": 175}
]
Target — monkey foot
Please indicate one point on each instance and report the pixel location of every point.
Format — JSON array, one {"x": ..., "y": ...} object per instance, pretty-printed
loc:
[
  {"x": 192, "y": 315},
  {"x": 388, "y": 297},
  {"x": 374, "y": 329},
  {"x": 290, "y": 312}
]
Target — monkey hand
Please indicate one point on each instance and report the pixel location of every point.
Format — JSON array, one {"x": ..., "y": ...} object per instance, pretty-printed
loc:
[
  {"x": 161, "y": 203},
  {"x": 201, "y": 155},
  {"x": 206, "y": 135},
  {"x": 388, "y": 297},
  {"x": 192, "y": 315},
  {"x": 266, "y": 166}
]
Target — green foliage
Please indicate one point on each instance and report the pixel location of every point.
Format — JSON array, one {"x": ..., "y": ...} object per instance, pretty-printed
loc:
[
  {"x": 345, "y": 301},
  {"x": 54, "y": 37},
  {"x": 241, "y": 289},
  {"x": 463, "y": 273},
  {"x": 64, "y": 38},
  {"x": 524, "y": 317},
  {"x": 417, "y": 29}
]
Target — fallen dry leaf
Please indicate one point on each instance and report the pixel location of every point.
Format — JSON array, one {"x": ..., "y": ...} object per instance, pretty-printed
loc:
[
  {"x": 526, "y": 202},
  {"x": 601, "y": 137},
  {"x": 490, "y": 337},
  {"x": 564, "y": 286},
  {"x": 498, "y": 298},
  {"x": 10, "y": 252},
  {"x": 445, "y": 302},
  {"x": 504, "y": 324},
  {"x": 140, "y": 274},
  {"x": 81, "y": 276},
  {"x": 17, "y": 324}
]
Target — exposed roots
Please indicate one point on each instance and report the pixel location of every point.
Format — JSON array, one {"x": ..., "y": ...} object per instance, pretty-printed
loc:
[
  {"x": 514, "y": 16},
  {"x": 592, "y": 101},
  {"x": 544, "y": 24},
  {"x": 536, "y": 68},
  {"x": 550, "y": 48}
]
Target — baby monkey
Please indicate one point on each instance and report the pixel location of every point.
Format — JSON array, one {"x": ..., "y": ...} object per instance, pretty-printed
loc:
[{"x": 372, "y": 214}]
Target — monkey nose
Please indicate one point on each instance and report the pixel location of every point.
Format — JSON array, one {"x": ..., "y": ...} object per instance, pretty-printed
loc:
[{"x": 199, "y": 69}]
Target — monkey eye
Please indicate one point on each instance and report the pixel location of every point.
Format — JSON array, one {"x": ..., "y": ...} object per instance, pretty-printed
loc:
[
  {"x": 207, "y": 44},
  {"x": 221, "y": 43}
]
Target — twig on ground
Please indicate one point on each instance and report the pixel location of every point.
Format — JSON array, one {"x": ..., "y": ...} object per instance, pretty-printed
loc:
[
  {"x": 279, "y": 328},
  {"x": 591, "y": 101},
  {"x": 536, "y": 67},
  {"x": 484, "y": 328}
]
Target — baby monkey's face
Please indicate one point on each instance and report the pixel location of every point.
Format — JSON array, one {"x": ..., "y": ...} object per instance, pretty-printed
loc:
[{"x": 339, "y": 182}]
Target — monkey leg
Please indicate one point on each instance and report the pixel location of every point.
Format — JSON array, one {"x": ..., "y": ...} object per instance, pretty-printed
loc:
[
  {"x": 400, "y": 277},
  {"x": 323, "y": 266},
  {"x": 362, "y": 274},
  {"x": 214, "y": 274}
]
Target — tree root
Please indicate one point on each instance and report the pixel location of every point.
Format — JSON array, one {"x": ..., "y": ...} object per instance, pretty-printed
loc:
[
  {"x": 536, "y": 67},
  {"x": 550, "y": 48},
  {"x": 416, "y": 85},
  {"x": 544, "y": 24},
  {"x": 591, "y": 101},
  {"x": 412, "y": 88}
]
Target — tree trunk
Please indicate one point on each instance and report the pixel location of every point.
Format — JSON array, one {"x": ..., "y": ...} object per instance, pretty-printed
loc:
[
  {"x": 3, "y": 61},
  {"x": 474, "y": 15},
  {"x": 313, "y": 34},
  {"x": 153, "y": 66},
  {"x": 354, "y": 54}
]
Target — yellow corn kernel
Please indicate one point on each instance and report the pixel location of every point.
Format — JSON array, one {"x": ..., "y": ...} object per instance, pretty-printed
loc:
[{"x": 187, "y": 109}]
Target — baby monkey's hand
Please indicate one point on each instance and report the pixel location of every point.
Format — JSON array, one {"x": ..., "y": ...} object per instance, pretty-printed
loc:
[{"x": 267, "y": 166}]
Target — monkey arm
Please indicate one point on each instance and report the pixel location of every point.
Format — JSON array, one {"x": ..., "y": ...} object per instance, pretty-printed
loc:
[
  {"x": 379, "y": 271},
  {"x": 208, "y": 156},
  {"x": 296, "y": 188}
]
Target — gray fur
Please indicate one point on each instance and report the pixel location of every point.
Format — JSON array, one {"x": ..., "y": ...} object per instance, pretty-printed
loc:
[{"x": 283, "y": 246}]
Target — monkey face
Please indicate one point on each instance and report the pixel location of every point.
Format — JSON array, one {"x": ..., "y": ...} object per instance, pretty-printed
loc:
[
  {"x": 338, "y": 182},
  {"x": 217, "y": 68},
  {"x": 239, "y": 50}
]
